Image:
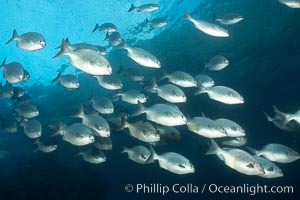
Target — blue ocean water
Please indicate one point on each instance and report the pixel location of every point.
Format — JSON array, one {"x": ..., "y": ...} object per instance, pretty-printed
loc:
[{"x": 264, "y": 61}]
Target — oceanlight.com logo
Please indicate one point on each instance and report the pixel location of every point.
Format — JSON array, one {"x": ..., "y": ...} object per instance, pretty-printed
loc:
[
  {"x": 249, "y": 189},
  {"x": 157, "y": 188}
]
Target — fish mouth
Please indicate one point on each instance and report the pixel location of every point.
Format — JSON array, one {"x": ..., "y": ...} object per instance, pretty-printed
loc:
[{"x": 43, "y": 44}]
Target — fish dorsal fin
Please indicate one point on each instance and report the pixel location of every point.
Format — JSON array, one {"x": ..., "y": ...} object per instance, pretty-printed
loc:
[{"x": 3, "y": 63}]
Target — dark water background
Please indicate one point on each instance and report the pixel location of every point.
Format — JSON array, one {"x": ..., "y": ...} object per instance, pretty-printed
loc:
[{"x": 264, "y": 55}]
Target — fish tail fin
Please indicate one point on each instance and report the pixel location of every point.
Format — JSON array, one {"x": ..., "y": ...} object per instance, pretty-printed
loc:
[
  {"x": 253, "y": 151},
  {"x": 163, "y": 75},
  {"x": 140, "y": 109},
  {"x": 267, "y": 116},
  {"x": 214, "y": 148},
  {"x": 214, "y": 17},
  {"x": 152, "y": 87},
  {"x": 278, "y": 112},
  {"x": 106, "y": 36},
  {"x": 3, "y": 63},
  {"x": 80, "y": 113},
  {"x": 36, "y": 150},
  {"x": 124, "y": 149},
  {"x": 57, "y": 132},
  {"x": 78, "y": 154},
  {"x": 205, "y": 68},
  {"x": 14, "y": 36},
  {"x": 57, "y": 77},
  {"x": 66, "y": 41},
  {"x": 91, "y": 96},
  {"x": 153, "y": 155},
  {"x": 132, "y": 8},
  {"x": 201, "y": 90},
  {"x": 186, "y": 16},
  {"x": 63, "y": 48},
  {"x": 36, "y": 141},
  {"x": 123, "y": 123},
  {"x": 121, "y": 69},
  {"x": 116, "y": 95},
  {"x": 123, "y": 44},
  {"x": 284, "y": 116},
  {"x": 96, "y": 27},
  {"x": 147, "y": 21}
]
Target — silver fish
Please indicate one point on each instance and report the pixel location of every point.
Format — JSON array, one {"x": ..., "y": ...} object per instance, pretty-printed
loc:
[
  {"x": 114, "y": 38},
  {"x": 105, "y": 27},
  {"x": 237, "y": 159},
  {"x": 132, "y": 96},
  {"x": 99, "y": 49},
  {"x": 157, "y": 22},
  {"x": 229, "y": 18},
  {"x": 291, "y": 3},
  {"x": 172, "y": 162},
  {"x": 206, "y": 27},
  {"x": 27, "y": 110},
  {"x": 30, "y": 41},
  {"x": 169, "y": 92},
  {"x": 7, "y": 90},
  {"x": 93, "y": 155},
  {"x": 77, "y": 134},
  {"x": 144, "y": 8},
  {"x": 204, "y": 81},
  {"x": 95, "y": 122},
  {"x": 167, "y": 134},
  {"x": 32, "y": 128},
  {"x": 277, "y": 153},
  {"x": 43, "y": 147},
  {"x": 110, "y": 82},
  {"x": 271, "y": 170},
  {"x": 139, "y": 154},
  {"x": 9, "y": 124},
  {"x": 12, "y": 72},
  {"x": 205, "y": 127},
  {"x": 164, "y": 114},
  {"x": 231, "y": 128},
  {"x": 287, "y": 117},
  {"x": 68, "y": 81},
  {"x": 103, "y": 143},
  {"x": 131, "y": 74},
  {"x": 181, "y": 79},
  {"x": 222, "y": 94},
  {"x": 281, "y": 123},
  {"x": 102, "y": 104},
  {"x": 141, "y": 130},
  {"x": 18, "y": 92},
  {"x": 87, "y": 60},
  {"x": 217, "y": 63},
  {"x": 141, "y": 56}
]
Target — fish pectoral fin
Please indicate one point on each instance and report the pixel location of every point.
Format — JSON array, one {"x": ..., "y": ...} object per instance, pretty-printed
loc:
[
  {"x": 181, "y": 165},
  {"x": 270, "y": 169},
  {"x": 94, "y": 63},
  {"x": 250, "y": 165}
]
